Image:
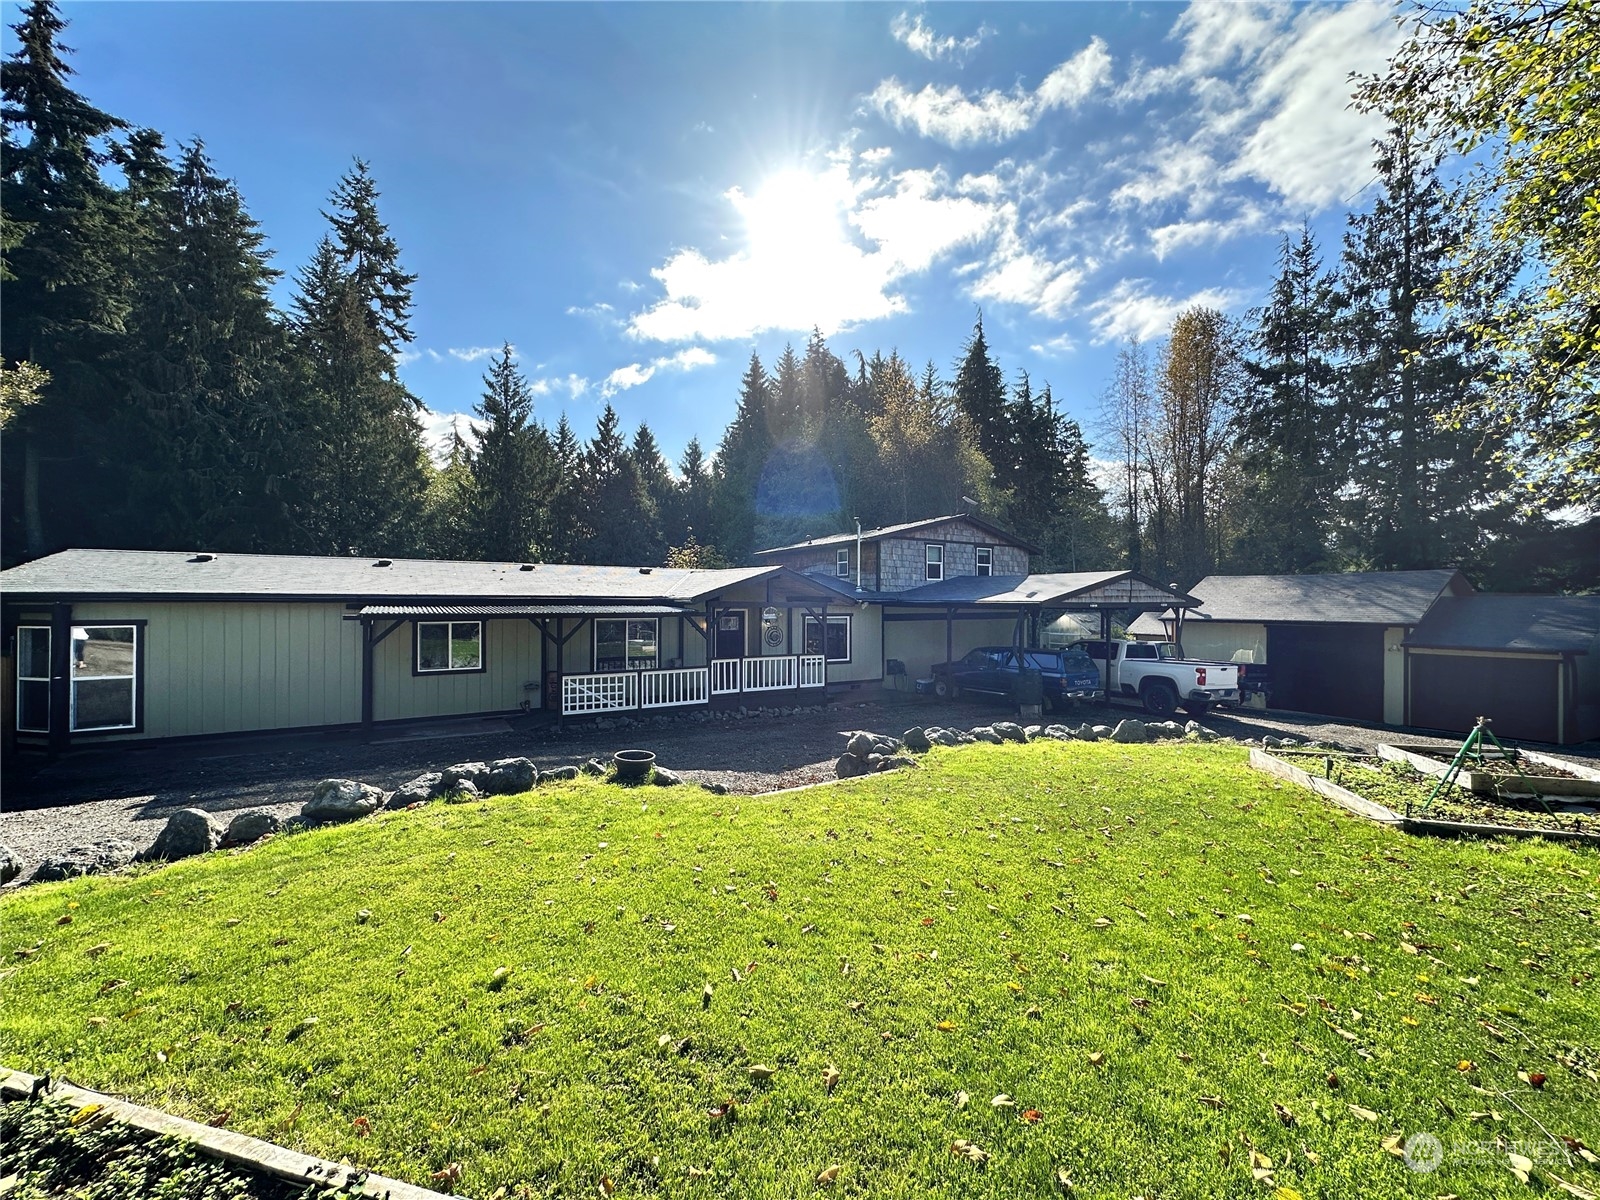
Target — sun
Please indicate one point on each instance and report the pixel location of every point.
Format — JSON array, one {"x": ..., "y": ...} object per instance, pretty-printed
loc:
[{"x": 796, "y": 216}]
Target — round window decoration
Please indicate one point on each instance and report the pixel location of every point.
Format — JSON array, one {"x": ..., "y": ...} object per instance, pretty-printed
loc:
[{"x": 774, "y": 635}]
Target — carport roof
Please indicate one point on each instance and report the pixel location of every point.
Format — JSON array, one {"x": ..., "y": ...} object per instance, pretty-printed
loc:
[
  {"x": 1348, "y": 598},
  {"x": 1551, "y": 624},
  {"x": 523, "y": 610},
  {"x": 1081, "y": 589}
]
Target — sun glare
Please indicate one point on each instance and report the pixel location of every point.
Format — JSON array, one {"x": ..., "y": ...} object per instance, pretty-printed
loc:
[{"x": 796, "y": 215}]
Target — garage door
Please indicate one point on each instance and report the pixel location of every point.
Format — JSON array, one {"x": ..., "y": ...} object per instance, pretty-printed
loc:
[
  {"x": 1450, "y": 691},
  {"x": 1336, "y": 670}
]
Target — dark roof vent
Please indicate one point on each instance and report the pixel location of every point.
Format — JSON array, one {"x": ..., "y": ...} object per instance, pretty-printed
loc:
[
  {"x": 645, "y": 570},
  {"x": 203, "y": 557},
  {"x": 526, "y": 567},
  {"x": 384, "y": 562}
]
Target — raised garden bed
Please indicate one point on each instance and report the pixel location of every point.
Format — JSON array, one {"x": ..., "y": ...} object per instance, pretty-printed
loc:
[
  {"x": 1396, "y": 791},
  {"x": 1495, "y": 776}
]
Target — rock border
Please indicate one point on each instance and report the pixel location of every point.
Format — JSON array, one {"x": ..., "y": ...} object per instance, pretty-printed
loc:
[{"x": 250, "y": 1154}]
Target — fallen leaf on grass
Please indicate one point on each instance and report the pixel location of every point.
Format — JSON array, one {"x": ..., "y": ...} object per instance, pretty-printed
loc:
[
  {"x": 607, "y": 1188},
  {"x": 1283, "y": 1114},
  {"x": 1213, "y": 1102},
  {"x": 946, "y": 1026},
  {"x": 111, "y": 985},
  {"x": 64, "y": 919},
  {"x": 362, "y": 1126},
  {"x": 301, "y": 1029},
  {"x": 1003, "y": 1101},
  {"x": 1534, "y": 1079},
  {"x": 449, "y": 1173},
  {"x": 961, "y": 1100},
  {"x": 1031, "y": 1115},
  {"x": 498, "y": 979},
  {"x": 1034, "y": 1013},
  {"x": 97, "y": 951},
  {"x": 705, "y": 995},
  {"x": 84, "y": 1113},
  {"x": 1260, "y": 1167},
  {"x": 831, "y": 1173},
  {"x": 761, "y": 1071},
  {"x": 96, "y": 1022},
  {"x": 1064, "y": 1181},
  {"x": 1096, "y": 1057},
  {"x": 1521, "y": 1166},
  {"x": 970, "y": 1151},
  {"x": 1582, "y": 1151},
  {"x": 1395, "y": 1144},
  {"x": 1102, "y": 922},
  {"x": 830, "y": 1080},
  {"x": 1366, "y": 1114},
  {"x": 1571, "y": 1189}
]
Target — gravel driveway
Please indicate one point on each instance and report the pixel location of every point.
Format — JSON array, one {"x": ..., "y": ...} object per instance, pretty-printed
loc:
[{"x": 128, "y": 794}]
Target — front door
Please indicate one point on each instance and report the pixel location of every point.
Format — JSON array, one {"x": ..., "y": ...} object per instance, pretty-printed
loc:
[{"x": 730, "y": 634}]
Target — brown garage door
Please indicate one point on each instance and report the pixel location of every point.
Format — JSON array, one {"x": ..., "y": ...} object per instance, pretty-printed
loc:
[
  {"x": 1336, "y": 670},
  {"x": 1450, "y": 691}
]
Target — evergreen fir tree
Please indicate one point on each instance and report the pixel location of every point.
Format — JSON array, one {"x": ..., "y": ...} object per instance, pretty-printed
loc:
[
  {"x": 512, "y": 466},
  {"x": 746, "y": 446},
  {"x": 655, "y": 477},
  {"x": 980, "y": 394},
  {"x": 568, "y": 526},
  {"x": 614, "y": 494},
  {"x": 371, "y": 257}
]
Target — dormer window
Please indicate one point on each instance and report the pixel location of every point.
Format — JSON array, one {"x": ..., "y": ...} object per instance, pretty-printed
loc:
[
  {"x": 935, "y": 561},
  {"x": 841, "y": 566},
  {"x": 985, "y": 560}
]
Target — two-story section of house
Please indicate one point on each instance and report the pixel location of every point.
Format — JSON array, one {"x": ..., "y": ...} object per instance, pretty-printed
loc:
[{"x": 921, "y": 593}]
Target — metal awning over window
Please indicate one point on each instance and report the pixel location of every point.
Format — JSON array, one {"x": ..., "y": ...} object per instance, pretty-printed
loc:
[{"x": 440, "y": 611}]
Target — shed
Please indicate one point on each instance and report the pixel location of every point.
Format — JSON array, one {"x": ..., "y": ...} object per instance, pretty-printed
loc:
[{"x": 1529, "y": 663}]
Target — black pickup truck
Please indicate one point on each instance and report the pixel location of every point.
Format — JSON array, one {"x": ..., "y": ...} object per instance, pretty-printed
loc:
[{"x": 1066, "y": 675}]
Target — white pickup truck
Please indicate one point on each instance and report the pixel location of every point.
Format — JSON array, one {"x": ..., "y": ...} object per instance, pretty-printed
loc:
[{"x": 1154, "y": 675}]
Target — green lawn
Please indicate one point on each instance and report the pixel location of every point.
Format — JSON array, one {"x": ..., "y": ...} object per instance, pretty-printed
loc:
[{"x": 1177, "y": 968}]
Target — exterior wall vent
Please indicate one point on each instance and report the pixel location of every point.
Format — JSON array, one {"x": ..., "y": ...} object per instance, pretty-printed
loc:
[
  {"x": 203, "y": 557},
  {"x": 384, "y": 562}
]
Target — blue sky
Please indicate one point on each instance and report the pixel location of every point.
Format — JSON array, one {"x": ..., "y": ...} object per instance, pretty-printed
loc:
[{"x": 636, "y": 196}]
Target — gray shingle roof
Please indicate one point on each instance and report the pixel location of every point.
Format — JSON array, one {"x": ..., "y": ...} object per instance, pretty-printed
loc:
[
  {"x": 1047, "y": 590},
  {"x": 869, "y": 535},
  {"x": 1510, "y": 622},
  {"x": 178, "y": 573},
  {"x": 522, "y": 610},
  {"x": 1354, "y": 597}
]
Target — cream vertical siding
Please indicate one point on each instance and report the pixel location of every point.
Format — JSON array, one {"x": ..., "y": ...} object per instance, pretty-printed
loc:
[
  {"x": 920, "y": 644},
  {"x": 237, "y": 667},
  {"x": 511, "y": 659},
  {"x": 1394, "y": 675},
  {"x": 866, "y": 643}
]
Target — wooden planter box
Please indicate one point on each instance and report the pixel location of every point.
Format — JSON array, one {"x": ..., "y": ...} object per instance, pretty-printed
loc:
[{"x": 1473, "y": 778}]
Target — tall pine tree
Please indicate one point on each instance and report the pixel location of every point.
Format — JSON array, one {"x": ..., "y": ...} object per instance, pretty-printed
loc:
[{"x": 512, "y": 466}]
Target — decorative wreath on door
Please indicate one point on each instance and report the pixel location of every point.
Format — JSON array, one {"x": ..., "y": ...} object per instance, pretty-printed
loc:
[{"x": 774, "y": 635}]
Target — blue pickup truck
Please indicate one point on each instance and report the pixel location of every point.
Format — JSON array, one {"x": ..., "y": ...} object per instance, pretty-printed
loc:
[{"x": 1067, "y": 675}]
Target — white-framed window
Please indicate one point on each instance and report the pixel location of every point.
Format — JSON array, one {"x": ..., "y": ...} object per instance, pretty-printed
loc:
[
  {"x": 33, "y": 678},
  {"x": 627, "y": 644},
  {"x": 985, "y": 560},
  {"x": 105, "y": 676},
  {"x": 935, "y": 561},
  {"x": 841, "y": 564},
  {"x": 835, "y": 645},
  {"x": 445, "y": 646}
]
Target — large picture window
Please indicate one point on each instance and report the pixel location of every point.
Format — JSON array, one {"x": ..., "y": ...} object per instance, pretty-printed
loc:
[
  {"x": 834, "y": 644},
  {"x": 105, "y": 672},
  {"x": 627, "y": 644},
  {"x": 444, "y": 646},
  {"x": 33, "y": 678},
  {"x": 935, "y": 562}
]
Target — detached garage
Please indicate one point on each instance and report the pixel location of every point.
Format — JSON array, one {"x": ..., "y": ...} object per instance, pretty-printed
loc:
[{"x": 1529, "y": 663}]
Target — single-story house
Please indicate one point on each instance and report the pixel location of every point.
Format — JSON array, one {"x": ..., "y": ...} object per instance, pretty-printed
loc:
[
  {"x": 113, "y": 645},
  {"x": 1418, "y": 648},
  {"x": 1529, "y": 663}
]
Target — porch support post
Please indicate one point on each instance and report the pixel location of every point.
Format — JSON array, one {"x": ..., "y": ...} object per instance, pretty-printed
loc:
[
  {"x": 561, "y": 671},
  {"x": 61, "y": 666},
  {"x": 367, "y": 643}
]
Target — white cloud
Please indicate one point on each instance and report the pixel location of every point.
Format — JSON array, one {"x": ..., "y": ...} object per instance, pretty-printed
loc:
[
  {"x": 1131, "y": 310},
  {"x": 1059, "y": 346},
  {"x": 632, "y": 375},
  {"x": 438, "y": 426},
  {"x": 1312, "y": 147},
  {"x": 598, "y": 309},
  {"x": 1249, "y": 218},
  {"x": 1177, "y": 170},
  {"x": 474, "y": 353},
  {"x": 916, "y": 37},
  {"x": 920, "y": 220},
  {"x": 406, "y": 357},
  {"x": 573, "y": 385},
  {"x": 1017, "y": 275},
  {"x": 950, "y": 116}
]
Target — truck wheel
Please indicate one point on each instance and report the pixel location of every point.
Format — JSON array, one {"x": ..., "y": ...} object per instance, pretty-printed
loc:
[
  {"x": 1196, "y": 708},
  {"x": 945, "y": 688},
  {"x": 1160, "y": 699}
]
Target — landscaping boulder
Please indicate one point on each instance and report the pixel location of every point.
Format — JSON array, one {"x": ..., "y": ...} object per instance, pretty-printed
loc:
[
  {"x": 1033, "y": 731},
  {"x": 944, "y": 737},
  {"x": 662, "y": 777},
  {"x": 417, "y": 791},
  {"x": 188, "y": 832},
  {"x": 1129, "y": 730},
  {"x": 250, "y": 827},
  {"x": 1059, "y": 733},
  {"x": 10, "y": 864},
  {"x": 560, "y": 773},
  {"x": 716, "y": 789},
  {"x": 508, "y": 776},
  {"x": 463, "y": 791},
  {"x": 335, "y": 800},
  {"x": 1099, "y": 731},
  {"x": 1009, "y": 731},
  {"x": 476, "y": 772},
  {"x": 595, "y": 767},
  {"x": 895, "y": 761},
  {"x": 916, "y": 740},
  {"x": 849, "y": 766},
  {"x": 861, "y": 744},
  {"x": 110, "y": 854},
  {"x": 984, "y": 733}
]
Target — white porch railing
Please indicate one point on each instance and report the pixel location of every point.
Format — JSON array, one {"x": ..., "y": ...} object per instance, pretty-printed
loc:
[
  {"x": 725, "y": 675},
  {"x": 679, "y": 685},
  {"x": 599, "y": 693},
  {"x": 769, "y": 674},
  {"x": 813, "y": 670}
]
